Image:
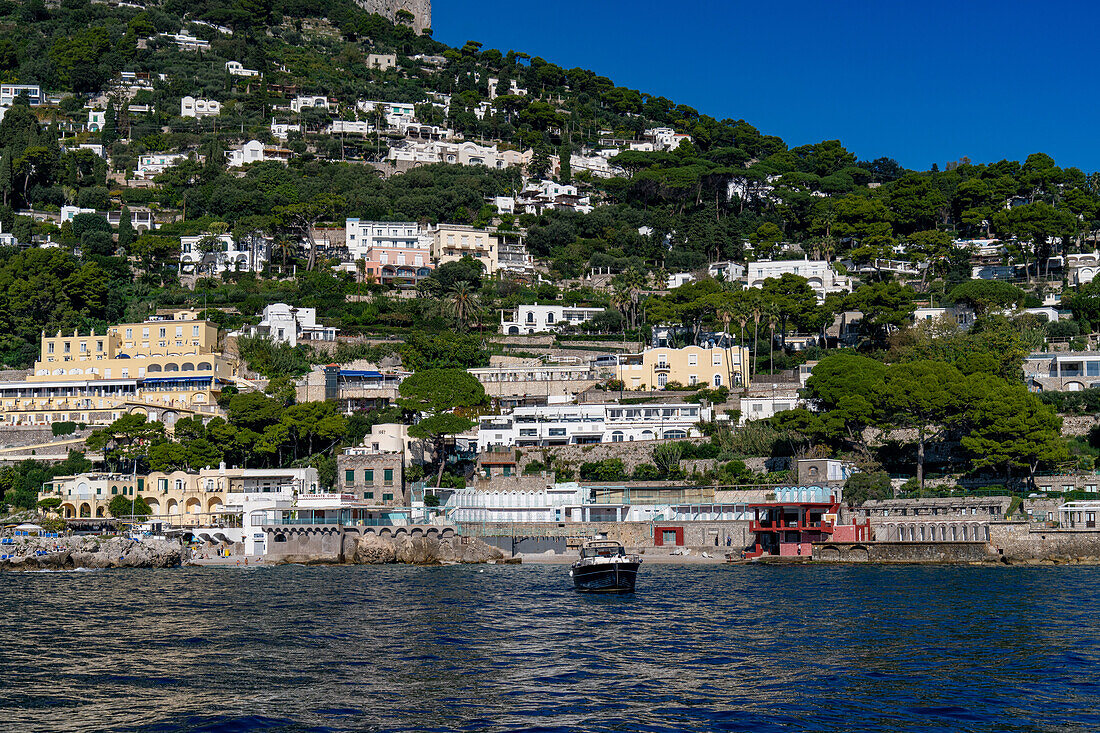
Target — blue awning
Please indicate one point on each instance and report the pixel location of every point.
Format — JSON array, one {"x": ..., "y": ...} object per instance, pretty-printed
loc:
[{"x": 360, "y": 373}]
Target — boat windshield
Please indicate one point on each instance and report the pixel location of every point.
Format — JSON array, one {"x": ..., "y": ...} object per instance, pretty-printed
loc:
[{"x": 608, "y": 550}]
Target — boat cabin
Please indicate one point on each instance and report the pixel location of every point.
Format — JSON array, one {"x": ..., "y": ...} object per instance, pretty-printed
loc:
[{"x": 602, "y": 548}]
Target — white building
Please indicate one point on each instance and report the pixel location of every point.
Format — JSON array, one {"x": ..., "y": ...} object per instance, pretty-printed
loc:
[
  {"x": 381, "y": 61},
  {"x": 729, "y": 271},
  {"x": 68, "y": 213},
  {"x": 1082, "y": 268},
  {"x": 819, "y": 275},
  {"x": 676, "y": 279},
  {"x": 540, "y": 196},
  {"x": 368, "y": 240},
  {"x": 963, "y": 315},
  {"x": 10, "y": 92},
  {"x": 549, "y": 425},
  {"x": 255, "y": 151},
  {"x": 465, "y": 153},
  {"x": 299, "y": 103},
  {"x": 350, "y": 127},
  {"x": 282, "y": 130},
  {"x": 665, "y": 138},
  {"x": 187, "y": 43},
  {"x": 192, "y": 107},
  {"x": 286, "y": 324},
  {"x": 217, "y": 254},
  {"x": 150, "y": 166},
  {"x": 237, "y": 69},
  {"x": 96, "y": 119},
  {"x": 763, "y": 406},
  {"x": 397, "y": 114},
  {"x": 525, "y": 319}
]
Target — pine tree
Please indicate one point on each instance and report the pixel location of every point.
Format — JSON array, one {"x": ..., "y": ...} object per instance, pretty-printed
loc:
[
  {"x": 125, "y": 229},
  {"x": 564, "y": 153},
  {"x": 5, "y": 174},
  {"x": 109, "y": 134}
]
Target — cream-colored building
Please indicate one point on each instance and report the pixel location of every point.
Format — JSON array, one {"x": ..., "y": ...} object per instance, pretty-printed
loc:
[
  {"x": 180, "y": 498},
  {"x": 167, "y": 367},
  {"x": 691, "y": 365},
  {"x": 452, "y": 242}
]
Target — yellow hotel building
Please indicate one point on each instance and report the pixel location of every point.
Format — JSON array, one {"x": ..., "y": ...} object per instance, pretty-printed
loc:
[
  {"x": 167, "y": 367},
  {"x": 689, "y": 366}
]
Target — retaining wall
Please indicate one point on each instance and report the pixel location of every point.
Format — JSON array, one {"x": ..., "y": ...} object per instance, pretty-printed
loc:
[{"x": 903, "y": 552}]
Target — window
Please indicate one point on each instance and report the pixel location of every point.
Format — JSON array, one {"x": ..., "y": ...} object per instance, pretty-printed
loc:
[
  {"x": 83, "y": 347},
  {"x": 387, "y": 476},
  {"x": 1092, "y": 368},
  {"x": 163, "y": 332},
  {"x": 99, "y": 346},
  {"x": 716, "y": 358},
  {"x": 368, "y": 494},
  {"x": 179, "y": 331},
  {"x": 129, "y": 333},
  {"x": 693, "y": 359},
  {"x": 717, "y": 380},
  {"x": 67, "y": 347},
  {"x": 693, "y": 380},
  {"x": 49, "y": 348},
  {"x": 349, "y": 476},
  {"x": 617, "y": 436},
  {"x": 662, "y": 380},
  {"x": 528, "y": 432},
  {"x": 557, "y": 432},
  {"x": 368, "y": 475},
  {"x": 387, "y": 497}
]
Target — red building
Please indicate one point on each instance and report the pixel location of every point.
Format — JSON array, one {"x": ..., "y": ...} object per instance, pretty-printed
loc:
[{"x": 789, "y": 528}]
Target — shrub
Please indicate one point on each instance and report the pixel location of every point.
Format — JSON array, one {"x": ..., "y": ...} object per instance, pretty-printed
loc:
[{"x": 66, "y": 427}]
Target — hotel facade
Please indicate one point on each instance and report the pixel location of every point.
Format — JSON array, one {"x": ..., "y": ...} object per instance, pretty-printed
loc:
[{"x": 165, "y": 368}]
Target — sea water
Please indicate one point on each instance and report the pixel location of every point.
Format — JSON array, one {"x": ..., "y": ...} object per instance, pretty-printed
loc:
[{"x": 510, "y": 648}]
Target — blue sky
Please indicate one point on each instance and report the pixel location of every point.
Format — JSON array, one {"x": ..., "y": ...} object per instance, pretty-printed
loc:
[{"x": 923, "y": 82}]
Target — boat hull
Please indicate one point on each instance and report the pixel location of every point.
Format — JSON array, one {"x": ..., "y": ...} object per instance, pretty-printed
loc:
[{"x": 616, "y": 577}]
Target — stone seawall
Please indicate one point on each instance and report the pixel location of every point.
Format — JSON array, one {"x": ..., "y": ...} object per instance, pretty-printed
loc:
[
  {"x": 904, "y": 552},
  {"x": 334, "y": 544},
  {"x": 70, "y": 553},
  {"x": 1022, "y": 543}
]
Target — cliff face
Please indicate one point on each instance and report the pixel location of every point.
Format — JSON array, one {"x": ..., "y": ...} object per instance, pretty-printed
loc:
[
  {"x": 421, "y": 10},
  {"x": 69, "y": 553}
]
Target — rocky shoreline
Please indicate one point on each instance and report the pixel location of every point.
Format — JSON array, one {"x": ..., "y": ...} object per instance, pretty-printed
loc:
[{"x": 90, "y": 553}]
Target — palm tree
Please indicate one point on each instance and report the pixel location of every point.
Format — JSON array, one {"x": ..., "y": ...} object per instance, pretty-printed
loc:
[
  {"x": 463, "y": 304},
  {"x": 773, "y": 321},
  {"x": 285, "y": 247},
  {"x": 757, "y": 314}
]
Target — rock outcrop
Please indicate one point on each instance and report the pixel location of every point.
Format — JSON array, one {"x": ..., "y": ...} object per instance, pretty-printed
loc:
[
  {"x": 70, "y": 553},
  {"x": 372, "y": 550}
]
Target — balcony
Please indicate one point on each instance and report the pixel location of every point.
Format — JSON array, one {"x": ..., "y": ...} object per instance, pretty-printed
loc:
[{"x": 766, "y": 525}]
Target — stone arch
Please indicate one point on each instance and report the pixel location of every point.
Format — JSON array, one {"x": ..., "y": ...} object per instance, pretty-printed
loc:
[
  {"x": 400, "y": 531},
  {"x": 154, "y": 505},
  {"x": 99, "y": 513},
  {"x": 965, "y": 534},
  {"x": 858, "y": 553},
  {"x": 204, "y": 366},
  {"x": 416, "y": 532},
  {"x": 153, "y": 368},
  {"x": 171, "y": 507},
  {"x": 192, "y": 506},
  {"x": 68, "y": 511},
  {"x": 214, "y": 504},
  {"x": 385, "y": 532},
  {"x": 171, "y": 367},
  {"x": 954, "y": 532},
  {"x": 432, "y": 532},
  {"x": 280, "y": 537},
  {"x": 187, "y": 367},
  {"x": 85, "y": 510},
  {"x": 943, "y": 533},
  {"x": 828, "y": 553}
]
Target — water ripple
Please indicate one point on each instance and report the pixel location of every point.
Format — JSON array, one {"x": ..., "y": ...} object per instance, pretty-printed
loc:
[{"x": 514, "y": 649}]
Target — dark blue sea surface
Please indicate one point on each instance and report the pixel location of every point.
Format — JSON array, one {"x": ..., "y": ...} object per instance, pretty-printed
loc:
[{"x": 511, "y": 648}]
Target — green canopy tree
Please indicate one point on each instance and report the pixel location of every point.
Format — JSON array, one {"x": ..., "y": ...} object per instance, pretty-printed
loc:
[
  {"x": 924, "y": 396},
  {"x": 123, "y": 508},
  {"x": 438, "y": 393},
  {"x": 1010, "y": 428}
]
